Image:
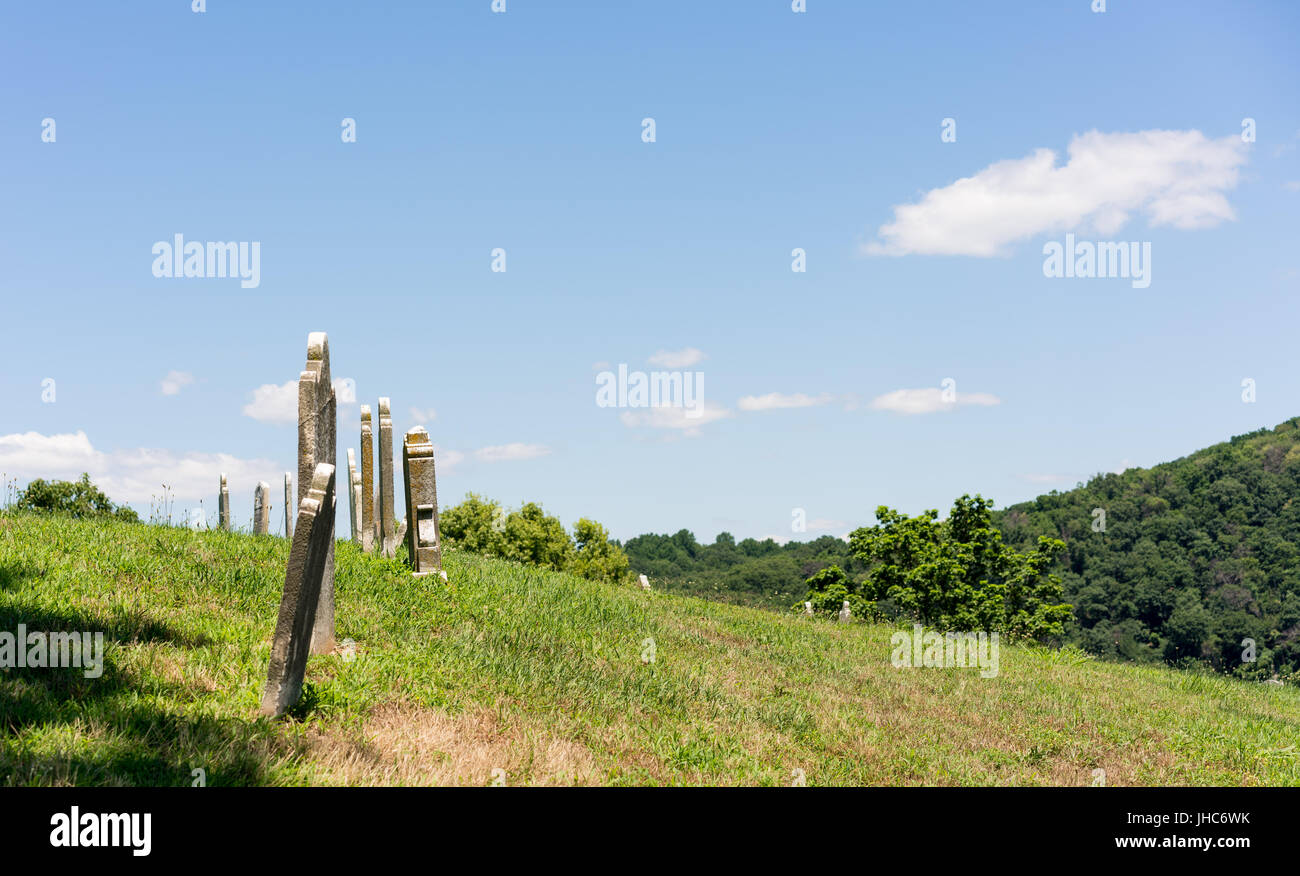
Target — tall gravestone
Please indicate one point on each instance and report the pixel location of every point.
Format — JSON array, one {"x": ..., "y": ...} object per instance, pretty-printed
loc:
[
  {"x": 423, "y": 539},
  {"x": 223, "y": 505},
  {"x": 309, "y": 556},
  {"x": 317, "y": 421},
  {"x": 354, "y": 493},
  {"x": 367, "y": 481},
  {"x": 262, "y": 508},
  {"x": 288, "y": 505},
  {"x": 387, "y": 524}
]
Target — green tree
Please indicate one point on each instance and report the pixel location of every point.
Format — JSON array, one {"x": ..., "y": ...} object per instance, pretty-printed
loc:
[
  {"x": 596, "y": 556},
  {"x": 958, "y": 574},
  {"x": 533, "y": 536},
  {"x": 79, "y": 498},
  {"x": 476, "y": 524}
]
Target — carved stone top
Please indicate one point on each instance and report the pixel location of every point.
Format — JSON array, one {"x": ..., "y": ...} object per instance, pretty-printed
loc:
[
  {"x": 365, "y": 413},
  {"x": 384, "y": 408}
]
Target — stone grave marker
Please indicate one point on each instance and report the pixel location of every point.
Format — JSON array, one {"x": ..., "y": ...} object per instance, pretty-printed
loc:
[
  {"x": 317, "y": 423},
  {"x": 305, "y": 574},
  {"x": 423, "y": 539}
]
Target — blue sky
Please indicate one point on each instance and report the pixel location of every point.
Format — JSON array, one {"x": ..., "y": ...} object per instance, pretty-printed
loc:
[{"x": 773, "y": 131}]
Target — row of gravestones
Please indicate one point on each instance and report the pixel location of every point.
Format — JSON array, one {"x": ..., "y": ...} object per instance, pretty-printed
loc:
[
  {"x": 261, "y": 506},
  {"x": 305, "y": 624}
]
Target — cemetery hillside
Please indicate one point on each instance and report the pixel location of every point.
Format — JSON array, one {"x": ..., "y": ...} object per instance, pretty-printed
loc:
[{"x": 511, "y": 673}]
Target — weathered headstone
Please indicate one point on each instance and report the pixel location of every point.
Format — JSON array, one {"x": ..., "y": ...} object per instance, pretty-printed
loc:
[
  {"x": 423, "y": 539},
  {"x": 223, "y": 505},
  {"x": 387, "y": 524},
  {"x": 643, "y": 581},
  {"x": 288, "y": 505},
  {"x": 317, "y": 420},
  {"x": 305, "y": 574},
  {"x": 367, "y": 481},
  {"x": 262, "y": 508},
  {"x": 807, "y": 608},
  {"x": 846, "y": 613},
  {"x": 354, "y": 495}
]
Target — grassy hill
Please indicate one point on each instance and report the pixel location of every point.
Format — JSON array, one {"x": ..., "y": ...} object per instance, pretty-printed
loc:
[{"x": 542, "y": 675}]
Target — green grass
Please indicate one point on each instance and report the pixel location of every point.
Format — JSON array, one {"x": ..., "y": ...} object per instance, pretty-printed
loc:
[{"x": 541, "y": 675}]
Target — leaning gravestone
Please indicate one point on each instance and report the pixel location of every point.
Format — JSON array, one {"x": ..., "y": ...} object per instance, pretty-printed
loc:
[
  {"x": 354, "y": 496},
  {"x": 643, "y": 581},
  {"x": 223, "y": 506},
  {"x": 288, "y": 505},
  {"x": 309, "y": 555},
  {"x": 423, "y": 540},
  {"x": 262, "y": 508},
  {"x": 367, "y": 481},
  {"x": 387, "y": 525},
  {"x": 317, "y": 421}
]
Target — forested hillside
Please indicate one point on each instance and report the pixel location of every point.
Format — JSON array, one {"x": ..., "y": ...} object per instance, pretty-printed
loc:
[
  {"x": 1183, "y": 561},
  {"x": 748, "y": 572}
]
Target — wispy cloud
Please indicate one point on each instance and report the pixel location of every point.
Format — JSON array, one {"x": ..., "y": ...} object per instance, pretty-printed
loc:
[
  {"x": 1175, "y": 178},
  {"x": 675, "y": 418},
  {"x": 423, "y": 415},
  {"x": 175, "y": 381},
  {"x": 929, "y": 401},
  {"x": 774, "y": 401},
  {"x": 509, "y": 452},
  {"x": 677, "y": 358}
]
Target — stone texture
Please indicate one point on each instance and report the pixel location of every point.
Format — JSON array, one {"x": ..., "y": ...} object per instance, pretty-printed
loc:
[
  {"x": 223, "y": 506},
  {"x": 423, "y": 537},
  {"x": 643, "y": 581},
  {"x": 317, "y": 422},
  {"x": 846, "y": 613},
  {"x": 807, "y": 608},
  {"x": 367, "y": 481},
  {"x": 354, "y": 497},
  {"x": 288, "y": 505},
  {"x": 262, "y": 509},
  {"x": 387, "y": 523},
  {"x": 308, "y": 555}
]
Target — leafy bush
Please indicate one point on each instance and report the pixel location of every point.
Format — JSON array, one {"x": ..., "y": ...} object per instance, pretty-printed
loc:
[
  {"x": 955, "y": 574},
  {"x": 79, "y": 498},
  {"x": 532, "y": 536}
]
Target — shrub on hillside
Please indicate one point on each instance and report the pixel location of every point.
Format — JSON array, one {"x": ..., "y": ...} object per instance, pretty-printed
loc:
[
  {"x": 955, "y": 574},
  {"x": 532, "y": 536},
  {"x": 79, "y": 498}
]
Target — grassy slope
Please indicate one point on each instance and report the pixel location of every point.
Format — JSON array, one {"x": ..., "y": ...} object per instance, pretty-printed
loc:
[{"x": 540, "y": 675}]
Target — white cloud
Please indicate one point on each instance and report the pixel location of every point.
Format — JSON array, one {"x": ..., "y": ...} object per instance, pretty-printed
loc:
[
  {"x": 279, "y": 404},
  {"x": 274, "y": 404},
  {"x": 675, "y": 418},
  {"x": 508, "y": 452},
  {"x": 345, "y": 392},
  {"x": 927, "y": 401},
  {"x": 175, "y": 381},
  {"x": 776, "y": 401},
  {"x": 423, "y": 416},
  {"x": 136, "y": 475},
  {"x": 1176, "y": 178},
  {"x": 1292, "y": 185},
  {"x": 823, "y": 524},
  {"x": 677, "y": 358},
  {"x": 444, "y": 459}
]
